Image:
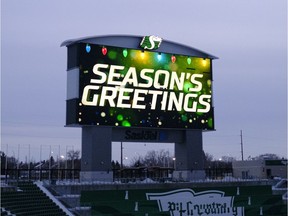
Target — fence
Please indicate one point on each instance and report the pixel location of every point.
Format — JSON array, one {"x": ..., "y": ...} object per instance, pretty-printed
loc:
[
  {"x": 39, "y": 174},
  {"x": 160, "y": 174}
]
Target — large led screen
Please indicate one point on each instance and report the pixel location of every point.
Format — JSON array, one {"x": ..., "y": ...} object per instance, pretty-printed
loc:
[{"x": 135, "y": 88}]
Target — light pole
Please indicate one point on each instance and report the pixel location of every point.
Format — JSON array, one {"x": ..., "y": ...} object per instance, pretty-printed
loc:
[
  {"x": 168, "y": 160},
  {"x": 174, "y": 163},
  {"x": 18, "y": 156},
  {"x": 28, "y": 163},
  {"x": 40, "y": 173},
  {"x": 6, "y": 163},
  {"x": 121, "y": 156},
  {"x": 50, "y": 151},
  {"x": 73, "y": 163},
  {"x": 58, "y": 161},
  {"x": 62, "y": 157},
  {"x": 29, "y": 159},
  {"x": 40, "y": 162},
  {"x": 242, "y": 154},
  {"x": 66, "y": 162},
  {"x": 66, "y": 165}
]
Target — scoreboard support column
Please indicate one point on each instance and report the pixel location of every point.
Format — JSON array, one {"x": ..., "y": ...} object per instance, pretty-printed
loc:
[
  {"x": 189, "y": 157},
  {"x": 96, "y": 154}
]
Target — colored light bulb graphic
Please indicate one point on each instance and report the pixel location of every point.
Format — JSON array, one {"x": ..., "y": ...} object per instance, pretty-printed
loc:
[
  {"x": 88, "y": 48},
  {"x": 173, "y": 58},
  {"x": 125, "y": 53},
  {"x": 104, "y": 51}
]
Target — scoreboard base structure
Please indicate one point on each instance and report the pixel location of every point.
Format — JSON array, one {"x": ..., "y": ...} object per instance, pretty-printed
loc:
[
  {"x": 187, "y": 175},
  {"x": 93, "y": 176}
]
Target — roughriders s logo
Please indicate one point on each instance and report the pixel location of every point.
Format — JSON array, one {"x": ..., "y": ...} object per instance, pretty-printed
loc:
[
  {"x": 186, "y": 202},
  {"x": 151, "y": 42}
]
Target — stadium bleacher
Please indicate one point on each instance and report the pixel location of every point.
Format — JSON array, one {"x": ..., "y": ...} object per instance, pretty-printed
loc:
[{"x": 28, "y": 199}]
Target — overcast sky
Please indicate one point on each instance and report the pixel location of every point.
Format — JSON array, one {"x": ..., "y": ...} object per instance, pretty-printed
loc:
[{"x": 250, "y": 76}]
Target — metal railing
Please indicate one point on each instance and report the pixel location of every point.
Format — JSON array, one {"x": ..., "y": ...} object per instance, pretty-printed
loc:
[{"x": 39, "y": 174}]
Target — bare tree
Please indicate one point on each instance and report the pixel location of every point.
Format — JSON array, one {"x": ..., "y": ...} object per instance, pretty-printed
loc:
[
  {"x": 137, "y": 161},
  {"x": 227, "y": 159},
  {"x": 153, "y": 158},
  {"x": 208, "y": 160},
  {"x": 73, "y": 155},
  {"x": 209, "y": 157},
  {"x": 73, "y": 159}
]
